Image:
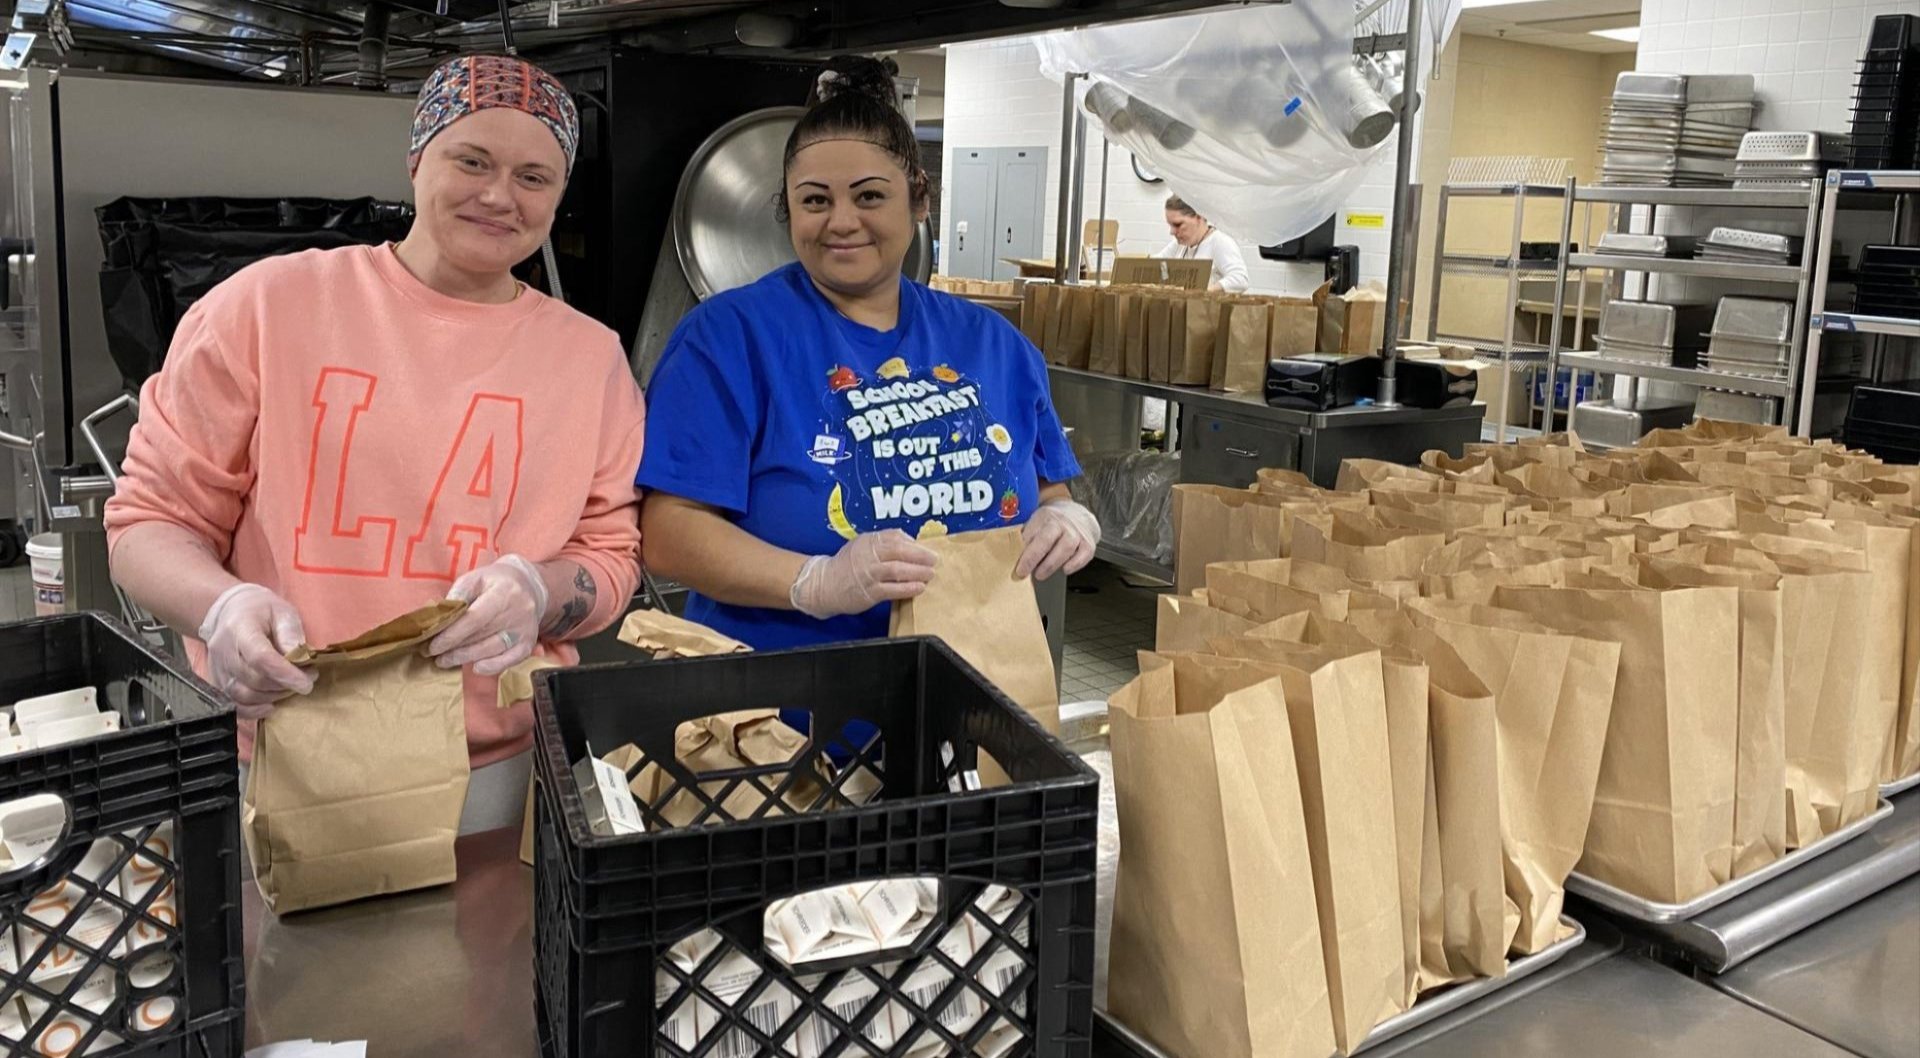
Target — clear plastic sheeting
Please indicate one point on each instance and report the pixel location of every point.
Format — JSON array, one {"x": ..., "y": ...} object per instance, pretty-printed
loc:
[
  {"x": 1259, "y": 117},
  {"x": 1131, "y": 493}
]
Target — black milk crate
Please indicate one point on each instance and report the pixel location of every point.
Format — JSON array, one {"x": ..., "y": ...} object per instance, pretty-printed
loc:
[
  {"x": 610, "y": 910},
  {"x": 152, "y": 815}
]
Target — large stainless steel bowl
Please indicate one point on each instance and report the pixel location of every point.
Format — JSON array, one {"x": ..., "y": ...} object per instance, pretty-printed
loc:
[{"x": 723, "y": 215}]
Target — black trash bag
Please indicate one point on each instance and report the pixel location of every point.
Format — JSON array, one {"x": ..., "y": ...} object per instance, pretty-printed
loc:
[{"x": 164, "y": 254}]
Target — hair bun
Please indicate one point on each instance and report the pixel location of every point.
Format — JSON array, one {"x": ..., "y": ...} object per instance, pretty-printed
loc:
[{"x": 856, "y": 75}]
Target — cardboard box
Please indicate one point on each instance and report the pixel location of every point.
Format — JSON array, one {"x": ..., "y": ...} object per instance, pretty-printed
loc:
[{"x": 1195, "y": 274}]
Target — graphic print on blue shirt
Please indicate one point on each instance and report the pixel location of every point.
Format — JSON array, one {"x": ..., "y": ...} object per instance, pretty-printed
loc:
[{"x": 914, "y": 451}]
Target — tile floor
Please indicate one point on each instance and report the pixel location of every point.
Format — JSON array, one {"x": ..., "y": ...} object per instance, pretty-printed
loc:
[{"x": 1108, "y": 620}]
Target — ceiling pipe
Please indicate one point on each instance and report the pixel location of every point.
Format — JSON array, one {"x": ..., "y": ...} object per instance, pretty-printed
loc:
[{"x": 375, "y": 27}]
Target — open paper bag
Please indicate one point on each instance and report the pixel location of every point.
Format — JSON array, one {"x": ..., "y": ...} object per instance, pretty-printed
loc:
[
  {"x": 1211, "y": 824},
  {"x": 356, "y": 789}
]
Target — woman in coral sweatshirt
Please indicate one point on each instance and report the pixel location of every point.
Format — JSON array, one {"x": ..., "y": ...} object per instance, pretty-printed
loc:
[{"x": 341, "y": 436}]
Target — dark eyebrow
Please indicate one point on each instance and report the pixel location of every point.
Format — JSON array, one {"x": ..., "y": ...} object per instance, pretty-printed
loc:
[
  {"x": 814, "y": 183},
  {"x": 868, "y": 180}
]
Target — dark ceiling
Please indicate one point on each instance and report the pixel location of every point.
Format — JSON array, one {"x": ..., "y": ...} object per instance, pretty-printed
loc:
[{"x": 315, "y": 42}]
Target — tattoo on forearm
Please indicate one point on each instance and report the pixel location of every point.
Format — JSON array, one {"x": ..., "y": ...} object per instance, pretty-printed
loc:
[{"x": 575, "y": 609}]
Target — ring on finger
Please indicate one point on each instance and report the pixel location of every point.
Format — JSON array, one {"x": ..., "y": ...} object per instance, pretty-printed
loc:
[{"x": 508, "y": 638}]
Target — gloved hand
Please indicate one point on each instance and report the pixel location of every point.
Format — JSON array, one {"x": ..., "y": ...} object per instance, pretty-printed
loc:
[
  {"x": 248, "y": 632},
  {"x": 505, "y": 602},
  {"x": 1061, "y": 535},
  {"x": 870, "y": 569}
]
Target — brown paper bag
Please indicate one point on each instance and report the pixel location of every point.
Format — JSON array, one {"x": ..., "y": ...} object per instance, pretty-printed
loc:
[
  {"x": 1211, "y": 823},
  {"x": 1553, "y": 694},
  {"x": 356, "y": 789},
  {"x": 1296, "y": 328},
  {"x": 1450, "y": 511},
  {"x": 1337, "y": 712},
  {"x": 1360, "y": 475},
  {"x": 1187, "y": 622},
  {"x": 1193, "y": 327},
  {"x": 1159, "y": 337},
  {"x": 1823, "y": 606},
  {"x": 1268, "y": 589},
  {"x": 1070, "y": 328},
  {"x": 1405, "y": 677},
  {"x": 1036, "y": 313},
  {"x": 1760, "y": 775},
  {"x": 1240, "y": 346},
  {"x": 663, "y": 635},
  {"x": 1351, "y": 324},
  {"x": 1134, "y": 342},
  {"x": 1663, "y": 810},
  {"x": 1213, "y": 523},
  {"x": 1108, "y": 354},
  {"x": 726, "y": 742},
  {"x": 1364, "y": 549},
  {"x": 989, "y": 618},
  {"x": 1476, "y": 928}
]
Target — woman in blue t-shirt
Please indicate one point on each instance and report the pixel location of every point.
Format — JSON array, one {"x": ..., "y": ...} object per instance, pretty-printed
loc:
[{"x": 804, "y": 430}]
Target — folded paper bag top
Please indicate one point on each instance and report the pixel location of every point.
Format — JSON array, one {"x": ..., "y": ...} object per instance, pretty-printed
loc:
[{"x": 356, "y": 788}]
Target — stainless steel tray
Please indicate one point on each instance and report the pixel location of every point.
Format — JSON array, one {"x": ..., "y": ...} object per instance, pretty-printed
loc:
[
  {"x": 1641, "y": 909},
  {"x": 1424, "y": 1011},
  {"x": 1758, "y": 242},
  {"x": 1900, "y": 786},
  {"x": 1668, "y": 88},
  {"x": 1767, "y": 320}
]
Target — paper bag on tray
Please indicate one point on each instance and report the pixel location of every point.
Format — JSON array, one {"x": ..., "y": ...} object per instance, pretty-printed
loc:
[
  {"x": 1760, "y": 772},
  {"x": 356, "y": 789},
  {"x": 1036, "y": 313},
  {"x": 1134, "y": 342},
  {"x": 1187, "y": 622},
  {"x": 1193, "y": 325},
  {"x": 1107, "y": 354},
  {"x": 1553, "y": 694},
  {"x": 1404, "y": 675},
  {"x": 664, "y": 635},
  {"x": 1296, "y": 328},
  {"x": 1663, "y": 812},
  {"x": 1213, "y": 523},
  {"x": 1336, "y": 708},
  {"x": 1211, "y": 823}
]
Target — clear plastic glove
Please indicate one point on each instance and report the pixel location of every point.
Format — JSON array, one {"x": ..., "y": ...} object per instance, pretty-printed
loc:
[
  {"x": 1060, "y": 536},
  {"x": 505, "y": 601},
  {"x": 871, "y": 569},
  {"x": 248, "y": 632}
]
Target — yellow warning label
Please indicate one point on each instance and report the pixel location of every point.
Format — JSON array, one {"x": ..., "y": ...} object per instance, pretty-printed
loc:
[{"x": 1366, "y": 220}]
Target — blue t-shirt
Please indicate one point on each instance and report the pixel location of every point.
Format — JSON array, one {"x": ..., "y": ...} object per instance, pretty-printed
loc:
[{"x": 808, "y": 428}]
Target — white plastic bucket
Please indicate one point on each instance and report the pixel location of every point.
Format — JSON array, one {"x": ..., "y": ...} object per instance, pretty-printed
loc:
[{"x": 47, "y": 558}]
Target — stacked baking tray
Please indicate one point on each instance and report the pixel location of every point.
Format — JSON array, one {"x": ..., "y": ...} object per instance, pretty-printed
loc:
[
  {"x": 1742, "y": 246},
  {"x": 1634, "y": 244},
  {"x": 1751, "y": 337},
  {"x": 1888, "y": 283},
  {"x": 1667, "y": 130},
  {"x": 1886, "y": 108},
  {"x": 1787, "y": 160},
  {"x": 1651, "y": 333}
]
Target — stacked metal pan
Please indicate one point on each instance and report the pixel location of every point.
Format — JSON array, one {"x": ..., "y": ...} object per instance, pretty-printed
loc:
[
  {"x": 1886, "y": 109},
  {"x": 1651, "y": 333},
  {"x": 1740, "y": 246},
  {"x": 1670, "y": 130},
  {"x": 1751, "y": 337},
  {"x": 1787, "y": 160}
]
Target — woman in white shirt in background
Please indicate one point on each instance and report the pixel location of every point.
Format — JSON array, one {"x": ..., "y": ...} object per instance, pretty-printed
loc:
[{"x": 1194, "y": 238}]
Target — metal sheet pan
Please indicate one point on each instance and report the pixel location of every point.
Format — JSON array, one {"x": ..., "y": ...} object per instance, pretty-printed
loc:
[
  {"x": 1653, "y": 911},
  {"x": 1899, "y": 786},
  {"x": 1424, "y": 1011}
]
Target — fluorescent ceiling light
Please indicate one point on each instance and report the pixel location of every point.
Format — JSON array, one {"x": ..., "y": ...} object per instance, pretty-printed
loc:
[{"x": 1630, "y": 34}]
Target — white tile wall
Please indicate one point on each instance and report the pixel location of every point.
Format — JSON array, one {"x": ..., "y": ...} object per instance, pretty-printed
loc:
[
  {"x": 997, "y": 97},
  {"x": 1802, "y": 53}
]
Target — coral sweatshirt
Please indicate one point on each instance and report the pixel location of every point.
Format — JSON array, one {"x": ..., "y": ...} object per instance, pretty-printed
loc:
[{"x": 346, "y": 436}]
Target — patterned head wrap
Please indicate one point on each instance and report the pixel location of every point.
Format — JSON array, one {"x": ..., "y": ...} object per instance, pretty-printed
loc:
[{"x": 477, "y": 82}]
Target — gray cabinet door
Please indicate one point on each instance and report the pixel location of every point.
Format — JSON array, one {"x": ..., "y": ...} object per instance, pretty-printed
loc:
[
  {"x": 1020, "y": 208},
  {"x": 1221, "y": 450},
  {"x": 969, "y": 246}
]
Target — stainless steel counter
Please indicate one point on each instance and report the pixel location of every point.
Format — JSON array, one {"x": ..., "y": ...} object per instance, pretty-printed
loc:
[
  {"x": 1726, "y": 936},
  {"x": 445, "y": 971},
  {"x": 1854, "y": 981},
  {"x": 1622, "y": 1007}
]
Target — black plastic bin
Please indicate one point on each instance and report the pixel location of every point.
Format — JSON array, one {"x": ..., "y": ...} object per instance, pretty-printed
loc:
[
  {"x": 608, "y": 909},
  {"x": 174, "y": 764}
]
